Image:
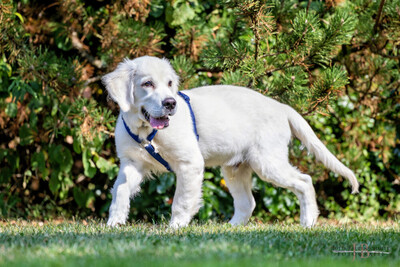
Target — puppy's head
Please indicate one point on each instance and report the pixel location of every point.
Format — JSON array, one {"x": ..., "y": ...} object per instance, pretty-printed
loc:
[{"x": 146, "y": 86}]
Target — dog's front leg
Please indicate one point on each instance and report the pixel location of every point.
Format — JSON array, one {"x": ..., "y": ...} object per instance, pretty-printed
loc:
[
  {"x": 125, "y": 187},
  {"x": 188, "y": 194}
]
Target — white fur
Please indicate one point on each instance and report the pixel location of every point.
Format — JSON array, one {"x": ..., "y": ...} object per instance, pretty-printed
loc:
[{"x": 239, "y": 129}]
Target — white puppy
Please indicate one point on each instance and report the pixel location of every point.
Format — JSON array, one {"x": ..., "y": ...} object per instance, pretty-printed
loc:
[{"x": 239, "y": 129}]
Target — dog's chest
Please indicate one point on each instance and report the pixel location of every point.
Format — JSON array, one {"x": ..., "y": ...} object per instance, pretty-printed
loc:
[{"x": 138, "y": 154}]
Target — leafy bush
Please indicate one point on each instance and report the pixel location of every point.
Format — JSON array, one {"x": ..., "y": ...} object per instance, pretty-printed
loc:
[{"x": 336, "y": 62}]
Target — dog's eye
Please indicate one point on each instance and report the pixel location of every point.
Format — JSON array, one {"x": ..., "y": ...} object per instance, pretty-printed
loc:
[
  {"x": 148, "y": 84},
  {"x": 170, "y": 83}
]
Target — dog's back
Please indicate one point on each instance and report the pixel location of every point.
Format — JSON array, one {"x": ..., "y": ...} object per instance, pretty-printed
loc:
[{"x": 231, "y": 120}]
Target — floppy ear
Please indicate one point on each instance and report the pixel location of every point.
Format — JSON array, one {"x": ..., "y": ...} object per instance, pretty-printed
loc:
[{"x": 119, "y": 84}]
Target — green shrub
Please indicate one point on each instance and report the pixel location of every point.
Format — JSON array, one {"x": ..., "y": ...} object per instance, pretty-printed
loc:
[{"x": 336, "y": 62}]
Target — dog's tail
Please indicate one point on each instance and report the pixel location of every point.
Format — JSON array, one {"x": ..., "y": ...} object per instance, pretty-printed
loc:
[{"x": 303, "y": 131}]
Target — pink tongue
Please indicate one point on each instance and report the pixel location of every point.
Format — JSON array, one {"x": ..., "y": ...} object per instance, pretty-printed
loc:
[{"x": 158, "y": 123}]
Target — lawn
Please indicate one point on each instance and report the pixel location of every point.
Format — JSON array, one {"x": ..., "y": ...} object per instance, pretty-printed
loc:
[{"x": 81, "y": 243}]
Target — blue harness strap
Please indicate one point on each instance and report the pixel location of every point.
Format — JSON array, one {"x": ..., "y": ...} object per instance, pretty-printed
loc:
[
  {"x": 149, "y": 147},
  {"x": 187, "y": 100},
  {"x": 156, "y": 156}
]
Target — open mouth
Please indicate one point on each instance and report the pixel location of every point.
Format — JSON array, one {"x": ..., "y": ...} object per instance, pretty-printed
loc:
[{"x": 156, "y": 123}]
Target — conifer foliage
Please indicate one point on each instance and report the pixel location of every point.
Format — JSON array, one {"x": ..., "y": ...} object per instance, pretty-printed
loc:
[{"x": 335, "y": 61}]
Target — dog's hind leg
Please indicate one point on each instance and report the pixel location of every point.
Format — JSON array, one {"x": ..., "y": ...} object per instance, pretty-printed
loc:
[
  {"x": 239, "y": 182},
  {"x": 125, "y": 187},
  {"x": 275, "y": 168}
]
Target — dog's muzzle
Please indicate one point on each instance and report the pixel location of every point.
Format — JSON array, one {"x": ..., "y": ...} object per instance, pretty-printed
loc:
[
  {"x": 169, "y": 105},
  {"x": 157, "y": 123}
]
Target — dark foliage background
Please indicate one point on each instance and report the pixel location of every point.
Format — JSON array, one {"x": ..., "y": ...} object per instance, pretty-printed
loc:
[{"x": 335, "y": 61}]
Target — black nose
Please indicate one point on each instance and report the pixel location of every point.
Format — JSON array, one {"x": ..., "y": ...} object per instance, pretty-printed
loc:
[{"x": 169, "y": 103}]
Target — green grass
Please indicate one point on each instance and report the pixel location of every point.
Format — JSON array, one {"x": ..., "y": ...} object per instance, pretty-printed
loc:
[{"x": 212, "y": 244}]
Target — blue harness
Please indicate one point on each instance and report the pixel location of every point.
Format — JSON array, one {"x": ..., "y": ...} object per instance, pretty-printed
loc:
[{"x": 150, "y": 148}]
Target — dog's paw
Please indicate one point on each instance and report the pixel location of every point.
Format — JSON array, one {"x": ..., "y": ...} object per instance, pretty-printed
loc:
[
  {"x": 115, "y": 221},
  {"x": 237, "y": 222},
  {"x": 239, "y": 219},
  {"x": 308, "y": 223},
  {"x": 176, "y": 224}
]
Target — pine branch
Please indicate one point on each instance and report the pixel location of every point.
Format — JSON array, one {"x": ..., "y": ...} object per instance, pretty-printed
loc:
[
  {"x": 92, "y": 80},
  {"x": 213, "y": 70},
  {"x": 276, "y": 54},
  {"x": 257, "y": 40},
  {"x": 378, "y": 50},
  {"x": 254, "y": 20},
  {"x": 308, "y": 6},
  {"x": 378, "y": 17},
  {"x": 78, "y": 45},
  {"x": 316, "y": 104},
  {"x": 278, "y": 19},
  {"x": 372, "y": 47},
  {"x": 234, "y": 30},
  {"x": 384, "y": 55}
]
